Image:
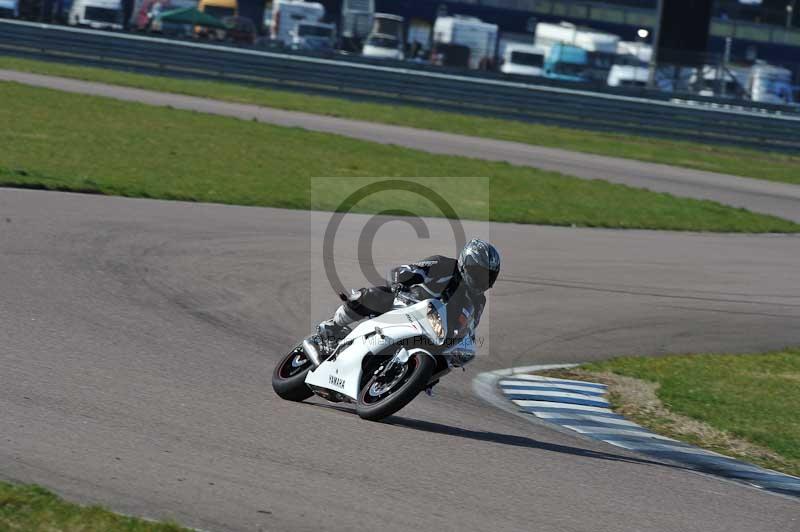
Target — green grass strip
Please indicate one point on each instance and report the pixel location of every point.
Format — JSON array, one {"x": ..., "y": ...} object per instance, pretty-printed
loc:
[
  {"x": 63, "y": 141},
  {"x": 728, "y": 160},
  {"x": 755, "y": 397},
  {"x": 34, "y": 509}
]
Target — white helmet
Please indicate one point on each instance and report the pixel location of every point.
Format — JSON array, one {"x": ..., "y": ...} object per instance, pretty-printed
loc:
[{"x": 479, "y": 265}]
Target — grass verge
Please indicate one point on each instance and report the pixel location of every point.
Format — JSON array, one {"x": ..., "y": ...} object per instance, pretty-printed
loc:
[
  {"x": 65, "y": 141},
  {"x": 34, "y": 509},
  {"x": 728, "y": 160},
  {"x": 745, "y": 406}
]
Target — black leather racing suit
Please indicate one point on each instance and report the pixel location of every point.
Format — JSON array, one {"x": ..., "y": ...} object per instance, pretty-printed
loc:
[{"x": 432, "y": 277}]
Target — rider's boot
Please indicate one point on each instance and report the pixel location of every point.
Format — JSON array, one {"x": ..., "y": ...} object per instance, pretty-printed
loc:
[{"x": 336, "y": 327}]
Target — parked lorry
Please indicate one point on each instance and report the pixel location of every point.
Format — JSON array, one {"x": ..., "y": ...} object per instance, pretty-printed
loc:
[
  {"x": 631, "y": 66},
  {"x": 287, "y": 14},
  {"x": 480, "y": 37},
  {"x": 523, "y": 59},
  {"x": 600, "y": 48},
  {"x": 566, "y": 62},
  {"x": 98, "y": 14},
  {"x": 770, "y": 84},
  {"x": 356, "y": 22},
  {"x": 628, "y": 75},
  {"x": 590, "y": 40}
]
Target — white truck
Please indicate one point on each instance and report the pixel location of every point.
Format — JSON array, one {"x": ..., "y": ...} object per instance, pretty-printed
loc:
[
  {"x": 770, "y": 84},
  {"x": 480, "y": 37},
  {"x": 385, "y": 41},
  {"x": 98, "y": 14},
  {"x": 628, "y": 76},
  {"x": 357, "y": 19},
  {"x": 388, "y": 24},
  {"x": 600, "y": 48},
  {"x": 630, "y": 68},
  {"x": 315, "y": 36},
  {"x": 9, "y": 8},
  {"x": 565, "y": 33},
  {"x": 287, "y": 14},
  {"x": 523, "y": 59},
  {"x": 382, "y": 46}
]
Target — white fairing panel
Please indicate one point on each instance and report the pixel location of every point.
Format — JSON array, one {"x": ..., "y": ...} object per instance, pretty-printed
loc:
[{"x": 343, "y": 373}]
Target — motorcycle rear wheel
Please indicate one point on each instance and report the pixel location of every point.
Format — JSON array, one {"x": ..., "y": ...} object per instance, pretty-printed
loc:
[
  {"x": 289, "y": 376},
  {"x": 381, "y": 397}
]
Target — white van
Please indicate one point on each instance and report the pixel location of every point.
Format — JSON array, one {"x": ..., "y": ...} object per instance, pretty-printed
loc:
[
  {"x": 382, "y": 46},
  {"x": 287, "y": 14},
  {"x": 523, "y": 59},
  {"x": 357, "y": 18},
  {"x": 480, "y": 37},
  {"x": 628, "y": 76},
  {"x": 631, "y": 66},
  {"x": 385, "y": 41},
  {"x": 98, "y": 14}
]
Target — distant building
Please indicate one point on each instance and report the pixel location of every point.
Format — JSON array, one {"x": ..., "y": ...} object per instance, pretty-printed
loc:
[{"x": 750, "y": 40}]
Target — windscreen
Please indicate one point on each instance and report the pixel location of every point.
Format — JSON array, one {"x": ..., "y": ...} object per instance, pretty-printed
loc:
[
  {"x": 313, "y": 31},
  {"x": 570, "y": 69},
  {"x": 632, "y": 83},
  {"x": 383, "y": 42},
  {"x": 102, "y": 14},
  {"x": 527, "y": 59}
]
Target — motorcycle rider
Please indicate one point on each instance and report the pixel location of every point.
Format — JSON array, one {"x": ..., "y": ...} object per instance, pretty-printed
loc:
[{"x": 459, "y": 282}]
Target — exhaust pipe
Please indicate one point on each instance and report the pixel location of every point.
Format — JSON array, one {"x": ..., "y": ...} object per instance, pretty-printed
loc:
[{"x": 311, "y": 352}]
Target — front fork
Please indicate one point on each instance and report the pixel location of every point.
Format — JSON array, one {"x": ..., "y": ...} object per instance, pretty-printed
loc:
[{"x": 401, "y": 358}]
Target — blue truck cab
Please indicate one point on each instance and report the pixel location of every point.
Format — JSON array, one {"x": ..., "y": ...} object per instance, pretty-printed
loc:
[{"x": 567, "y": 62}]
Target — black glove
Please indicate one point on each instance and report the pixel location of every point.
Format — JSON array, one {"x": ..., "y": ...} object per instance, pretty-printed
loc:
[
  {"x": 397, "y": 287},
  {"x": 405, "y": 277}
]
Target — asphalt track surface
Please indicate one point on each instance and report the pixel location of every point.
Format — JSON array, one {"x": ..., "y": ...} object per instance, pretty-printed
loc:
[
  {"x": 779, "y": 199},
  {"x": 138, "y": 338}
]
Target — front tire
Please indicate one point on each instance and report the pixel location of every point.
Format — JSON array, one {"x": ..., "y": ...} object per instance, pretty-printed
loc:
[
  {"x": 378, "y": 398},
  {"x": 289, "y": 377}
]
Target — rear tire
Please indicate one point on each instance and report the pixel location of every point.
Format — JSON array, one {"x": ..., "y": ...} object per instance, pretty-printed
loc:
[
  {"x": 289, "y": 376},
  {"x": 374, "y": 406}
]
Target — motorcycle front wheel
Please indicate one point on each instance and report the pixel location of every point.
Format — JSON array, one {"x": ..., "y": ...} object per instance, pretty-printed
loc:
[
  {"x": 386, "y": 393},
  {"x": 289, "y": 377}
]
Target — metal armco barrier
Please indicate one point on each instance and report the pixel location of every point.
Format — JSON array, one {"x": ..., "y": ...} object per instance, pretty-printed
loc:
[{"x": 708, "y": 120}]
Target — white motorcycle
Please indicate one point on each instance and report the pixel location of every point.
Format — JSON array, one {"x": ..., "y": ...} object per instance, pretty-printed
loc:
[{"x": 382, "y": 364}]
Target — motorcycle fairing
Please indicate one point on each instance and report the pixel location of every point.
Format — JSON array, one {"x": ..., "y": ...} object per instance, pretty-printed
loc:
[{"x": 342, "y": 372}]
